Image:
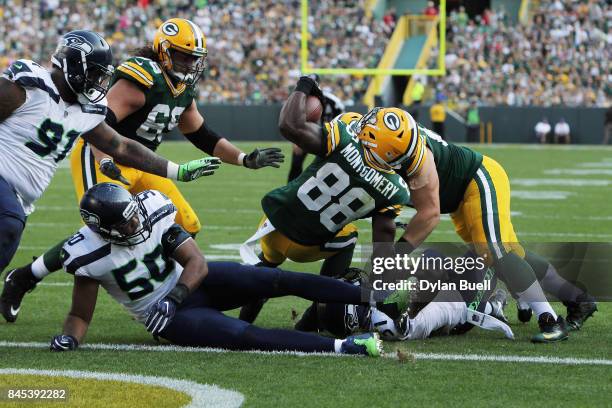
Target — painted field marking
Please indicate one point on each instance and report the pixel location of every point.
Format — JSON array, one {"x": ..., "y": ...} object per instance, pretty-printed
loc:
[
  {"x": 202, "y": 395},
  {"x": 579, "y": 172},
  {"x": 534, "y": 182},
  {"x": 418, "y": 356},
  {"x": 540, "y": 195}
]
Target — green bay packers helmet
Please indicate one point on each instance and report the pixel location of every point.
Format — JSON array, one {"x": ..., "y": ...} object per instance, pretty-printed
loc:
[{"x": 181, "y": 48}]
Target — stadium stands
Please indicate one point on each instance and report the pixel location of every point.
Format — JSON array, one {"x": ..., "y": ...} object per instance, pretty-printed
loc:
[{"x": 559, "y": 59}]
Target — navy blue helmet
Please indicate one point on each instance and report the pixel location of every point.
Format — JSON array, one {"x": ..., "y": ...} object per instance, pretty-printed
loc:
[
  {"x": 86, "y": 60},
  {"x": 107, "y": 209}
]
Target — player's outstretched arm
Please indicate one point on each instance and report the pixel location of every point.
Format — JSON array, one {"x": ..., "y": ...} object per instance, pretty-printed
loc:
[
  {"x": 194, "y": 128},
  {"x": 292, "y": 121},
  {"x": 84, "y": 296},
  {"x": 426, "y": 201},
  {"x": 12, "y": 96},
  {"x": 134, "y": 154}
]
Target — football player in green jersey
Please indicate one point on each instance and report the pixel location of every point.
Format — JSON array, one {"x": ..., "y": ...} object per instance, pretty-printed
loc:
[
  {"x": 150, "y": 95},
  {"x": 310, "y": 218},
  {"x": 475, "y": 190}
]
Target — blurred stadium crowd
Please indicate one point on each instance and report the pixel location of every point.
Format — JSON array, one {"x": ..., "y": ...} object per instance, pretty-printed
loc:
[{"x": 562, "y": 58}]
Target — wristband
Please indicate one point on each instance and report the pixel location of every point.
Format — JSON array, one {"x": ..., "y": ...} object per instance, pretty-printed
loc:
[
  {"x": 241, "y": 158},
  {"x": 172, "y": 171},
  {"x": 179, "y": 293}
]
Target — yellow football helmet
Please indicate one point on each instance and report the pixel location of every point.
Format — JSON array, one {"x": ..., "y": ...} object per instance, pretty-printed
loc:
[
  {"x": 390, "y": 136},
  {"x": 181, "y": 48}
]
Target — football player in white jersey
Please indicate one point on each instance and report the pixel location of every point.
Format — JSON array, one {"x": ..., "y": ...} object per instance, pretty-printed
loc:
[
  {"x": 133, "y": 248},
  {"x": 43, "y": 112}
]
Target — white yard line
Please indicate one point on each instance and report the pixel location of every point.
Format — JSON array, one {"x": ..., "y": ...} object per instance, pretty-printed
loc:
[
  {"x": 202, "y": 395},
  {"x": 418, "y": 356}
]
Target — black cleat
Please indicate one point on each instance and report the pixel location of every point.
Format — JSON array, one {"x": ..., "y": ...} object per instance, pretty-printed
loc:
[
  {"x": 551, "y": 330},
  {"x": 579, "y": 311},
  {"x": 523, "y": 312},
  {"x": 17, "y": 283},
  {"x": 498, "y": 301}
]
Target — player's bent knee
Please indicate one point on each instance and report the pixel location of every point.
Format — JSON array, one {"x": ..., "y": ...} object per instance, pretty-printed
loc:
[{"x": 11, "y": 229}]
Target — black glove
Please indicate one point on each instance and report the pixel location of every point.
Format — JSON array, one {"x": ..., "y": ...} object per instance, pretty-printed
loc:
[
  {"x": 258, "y": 158},
  {"x": 63, "y": 342},
  {"x": 310, "y": 87},
  {"x": 110, "y": 170}
]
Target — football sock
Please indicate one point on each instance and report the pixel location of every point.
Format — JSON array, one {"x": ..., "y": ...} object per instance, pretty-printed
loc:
[
  {"x": 49, "y": 262},
  {"x": 338, "y": 263},
  {"x": 39, "y": 270},
  {"x": 338, "y": 345},
  {"x": 297, "y": 161},
  {"x": 530, "y": 295},
  {"x": 550, "y": 280},
  {"x": 520, "y": 279}
]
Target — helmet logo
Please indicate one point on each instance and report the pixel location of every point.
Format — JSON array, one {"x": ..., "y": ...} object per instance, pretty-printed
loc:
[
  {"x": 78, "y": 43},
  {"x": 392, "y": 121},
  {"x": 90, "y": 218},
  {"x": 130, "y": 209},
  {"x": 170, "y": 28}
]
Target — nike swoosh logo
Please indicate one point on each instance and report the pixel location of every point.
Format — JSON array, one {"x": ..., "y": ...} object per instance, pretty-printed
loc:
[
  {"x": 15, "y": 311},
  {"x": 8, "y": 275},
  {"x": 18, "y": 66},
  {"x": 549, "y": 336}
]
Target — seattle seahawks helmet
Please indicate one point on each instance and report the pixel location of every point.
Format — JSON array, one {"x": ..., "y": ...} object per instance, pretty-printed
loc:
[
  {"x": 107, "y": 208},
  {"x": 86, "y": 60}
]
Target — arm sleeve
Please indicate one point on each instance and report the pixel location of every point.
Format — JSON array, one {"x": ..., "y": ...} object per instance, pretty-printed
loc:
[{"x": 204, "y": 139}]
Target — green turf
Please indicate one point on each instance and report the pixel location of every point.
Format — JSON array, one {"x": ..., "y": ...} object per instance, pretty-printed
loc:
[{"x": 228, "y": 206}]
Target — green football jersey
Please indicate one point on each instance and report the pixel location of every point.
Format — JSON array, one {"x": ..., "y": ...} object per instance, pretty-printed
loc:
[
  {"x": 456, "y": 165},
  {"x": 164, "y": 103},
  {"x": 334, "y": 191}
]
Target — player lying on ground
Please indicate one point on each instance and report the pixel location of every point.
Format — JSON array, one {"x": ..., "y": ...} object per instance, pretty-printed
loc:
[
  {"x": 148, "y": 263},
  {"x": 452, "y": 311},
  {"x": 150, "y": 95},
  {"x": 43, "y": 112},
  {"x": 475, "y": 190},
  {"x": 310, "y": 218}
]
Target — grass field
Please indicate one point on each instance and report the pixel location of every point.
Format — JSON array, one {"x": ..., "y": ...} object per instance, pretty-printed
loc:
[{"x": 559, "y": 194}]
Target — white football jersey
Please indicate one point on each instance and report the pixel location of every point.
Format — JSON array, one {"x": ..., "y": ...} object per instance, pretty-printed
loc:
[
  {"x": 41, "y": 132},
  {"x": 136, "y": 276}
]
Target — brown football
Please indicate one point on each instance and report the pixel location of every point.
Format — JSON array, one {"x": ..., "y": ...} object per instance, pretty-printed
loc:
[{"x": 314, "y": 109}]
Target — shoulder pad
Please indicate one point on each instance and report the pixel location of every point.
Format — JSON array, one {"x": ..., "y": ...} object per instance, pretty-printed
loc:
[
  {"x": 83, "y": 249},
  {"x": 139, "y": 70},
  {"x": 158, "y": 205},
  {"x": 29, "y": 74}
]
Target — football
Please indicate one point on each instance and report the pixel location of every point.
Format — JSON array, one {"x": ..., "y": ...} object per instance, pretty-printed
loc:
[{"x": 314, "y": 109}]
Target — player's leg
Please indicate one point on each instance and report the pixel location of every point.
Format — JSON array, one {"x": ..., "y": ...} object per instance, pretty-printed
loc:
[
  {"x": 207, "y": 327},
  {"x": 343, "y": 245},
  {"x": 486, "y": 213},
  {"x": 12, "y": 223},
  {"x": 185, "y": 216},
  {"x": 297, "y": 162},
  {"x": 580, "y": 305}
]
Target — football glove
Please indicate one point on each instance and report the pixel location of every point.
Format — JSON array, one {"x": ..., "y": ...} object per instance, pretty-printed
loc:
[
  {"x": 110, "y": 170},
  {"x": 259, "y": 158},
  {"x": 63, "y": 342},
  {"x": 198, "y": 168},
  {"x": 310, "y": 87},
  {"x": 160, "y": 315}
]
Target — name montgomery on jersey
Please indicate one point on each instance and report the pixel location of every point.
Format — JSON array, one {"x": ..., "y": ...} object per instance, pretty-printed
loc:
[{"x": 372, "y": 176}]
